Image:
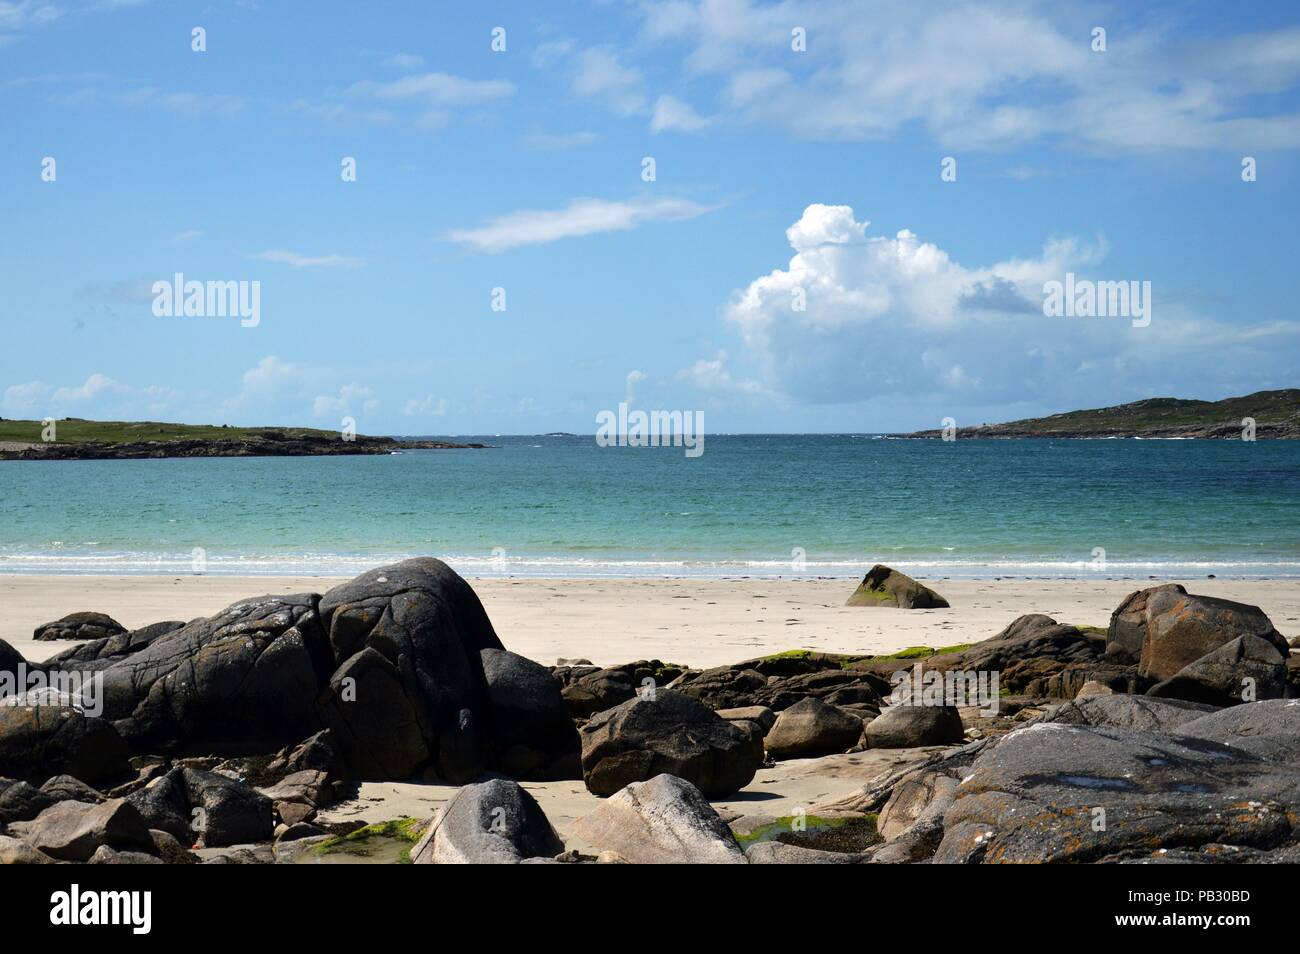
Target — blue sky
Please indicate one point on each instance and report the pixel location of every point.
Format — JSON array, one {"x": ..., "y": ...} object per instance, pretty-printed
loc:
[{"x": 522, "y": 170}]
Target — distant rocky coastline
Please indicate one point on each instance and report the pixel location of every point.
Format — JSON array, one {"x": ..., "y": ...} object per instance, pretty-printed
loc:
[
  {"x": 269, "y": 444},
  {"x": 1265, "y": 415},
  {"x": 1170, "y": 736}
]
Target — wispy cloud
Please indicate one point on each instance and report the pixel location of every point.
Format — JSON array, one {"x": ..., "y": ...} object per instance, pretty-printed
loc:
[
  {"x": 297, "y": 260},
  {"x": 402, "y": 61},
  {"x": 980, "y": 76},
  {"x": 546, "y": 142},
  {"x": 436, "y": 89},
  {"x": 671, "y": 113},
  {"x": 580, "y": 217}
]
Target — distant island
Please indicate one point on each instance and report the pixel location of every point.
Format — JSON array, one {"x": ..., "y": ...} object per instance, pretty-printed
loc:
[
  {"x": 1276, "y": 415},
  {"x": 78, "y": 439}
]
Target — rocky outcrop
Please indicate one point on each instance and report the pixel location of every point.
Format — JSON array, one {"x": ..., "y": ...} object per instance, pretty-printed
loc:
[
  {"x": 664, "y": 820},
  {"x": 84, "y": 625},
  {"x": 269, "y": 443},
  {"x": 494, "y": 822},
  {"x": 778, "y": 682},
  {"x": 589, "y": 689},
  {"x": 666, "y": 732},
  {"x": 389, "y": 662},
  {"x": 883, "y": 586},
  {"x": 99, "y": 653},
  {"x": 1247, "y": 669},
  {"x": 1181, "y": 628},
  {"x": 1066, "y": 793}
]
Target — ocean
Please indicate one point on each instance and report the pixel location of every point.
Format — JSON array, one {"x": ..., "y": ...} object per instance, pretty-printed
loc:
[{"x": 751, "y": 505}]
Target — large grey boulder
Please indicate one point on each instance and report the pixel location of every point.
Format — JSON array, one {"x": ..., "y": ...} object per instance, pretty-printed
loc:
[
  {"x": 810, "y": 728},
  {"x": 883, "y": 586},
  {"x": 40, "y": 741},
  {"x": 195, "y": 806},
  {"x": 84, "y": 625},
  {"x": 1181, "y": 628},
  {"x": 493, "y": 822},
  {"x": 226, "y": 811},
  {"x": 529, "y": 726},
  {"x": 905, "y": 727},
  {"x": 72, "y": 831},
  {"x": 1246, "y": 669},
  {"x": 1067, "y": 793},
  {"x": 429, "y": 625},
  {"x": 666, "y": 732},
  {"x": 665, "y": 820}
]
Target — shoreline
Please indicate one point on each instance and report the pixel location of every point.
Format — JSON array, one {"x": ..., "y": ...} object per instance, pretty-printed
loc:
[{"x": 611, "y": 621}]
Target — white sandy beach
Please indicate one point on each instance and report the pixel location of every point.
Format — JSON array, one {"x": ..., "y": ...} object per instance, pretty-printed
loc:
[{"x": 687, "y": 621}]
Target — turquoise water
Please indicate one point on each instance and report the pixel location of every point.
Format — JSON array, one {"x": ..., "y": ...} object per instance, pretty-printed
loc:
[{"x": 561, "y": 506}]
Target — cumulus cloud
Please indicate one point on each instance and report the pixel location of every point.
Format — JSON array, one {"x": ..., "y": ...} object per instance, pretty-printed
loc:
[
  {"x": 858, "y": 317},
  {"x": 580, "y": 217}
]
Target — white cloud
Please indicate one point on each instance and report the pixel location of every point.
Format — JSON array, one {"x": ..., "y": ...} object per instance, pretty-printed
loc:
[
  {"x": 599, "y": 74},
  {"x": 188, "y": 235},
  {"x": 402, "y": 61},
  {"x": 711, "y": 374},
  {"x": 106, "y": 397},
  {"x": 580, "y": 217},
  {"x": 435, "y": 89},
  {"x": 671, "y": 113},
  {"x": 896, "y": 318},
  {"x": 351, "y": 400},
  {"x": 631, "y": 381},
  {"x": 282, "y": 257},
  {"x": 982, "y": 77},
  {"x": 269, "y": 374},
  {"x": 545, "y": 142}
]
